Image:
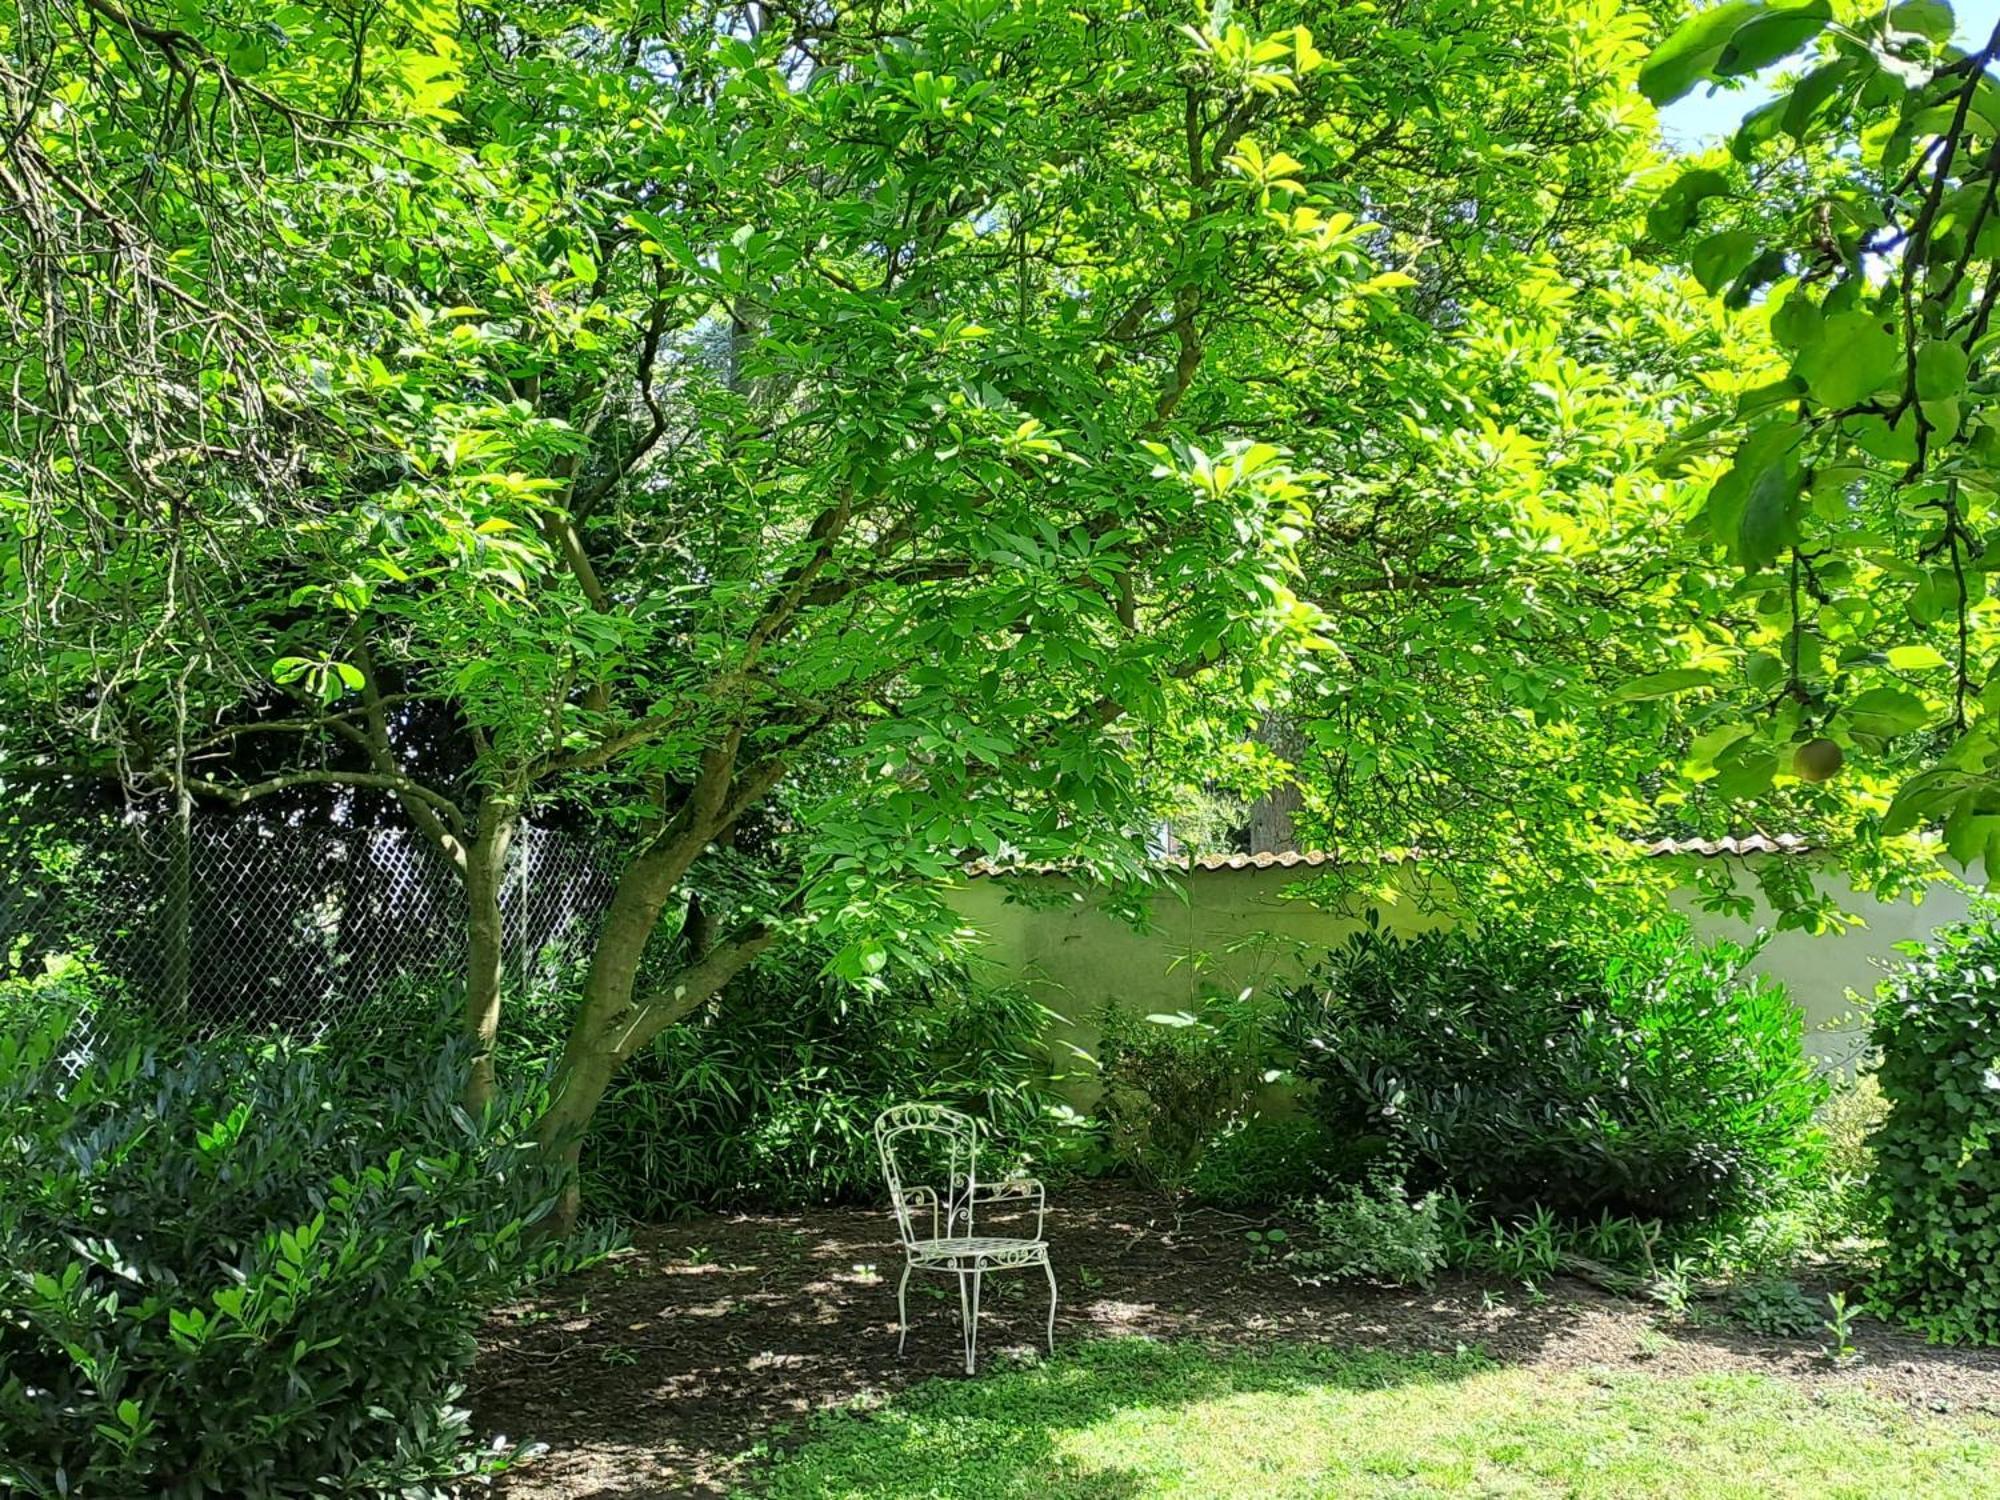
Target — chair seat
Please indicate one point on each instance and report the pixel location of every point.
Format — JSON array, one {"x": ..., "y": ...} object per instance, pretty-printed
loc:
[{"x": 980, "y": 1247}]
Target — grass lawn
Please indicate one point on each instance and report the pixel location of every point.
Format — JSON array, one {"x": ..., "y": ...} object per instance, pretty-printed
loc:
[{"x": 1129, "y": 1417}]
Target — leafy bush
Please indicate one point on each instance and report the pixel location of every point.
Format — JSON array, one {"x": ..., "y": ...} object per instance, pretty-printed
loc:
[
  {"x": 1525, "y": 1068},
  {"x": 1373, "y": 1231},
  {"x": 1175, "y": 1083},
  {"x": 1937, "y": 1027},
  {"x": 243, "y": 1268},
  {"x": 1266, "y": 1160},
  {"x": 769, "y": 1097}
]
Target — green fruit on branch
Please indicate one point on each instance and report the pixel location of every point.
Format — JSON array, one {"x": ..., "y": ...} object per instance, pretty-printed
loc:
[{"x": 1817, "y": 760}]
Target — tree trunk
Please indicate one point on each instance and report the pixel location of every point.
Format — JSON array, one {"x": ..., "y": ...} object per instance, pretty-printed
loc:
[
  {"x": 1269, "y": 824},
  {"x": 485, "y": 869},
  {"x": 600, "y": 1038},
  {"x": 614, "y": 1024}
]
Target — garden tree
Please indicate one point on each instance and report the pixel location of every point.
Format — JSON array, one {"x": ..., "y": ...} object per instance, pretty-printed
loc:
[
  {"x": 1513, "y": 612},
  {"x": 1854, "y": 482},
  {"x": 1516, "y": 719},
  {"x": 916, "y": 429},
  {"x": 682, "y": 405}
]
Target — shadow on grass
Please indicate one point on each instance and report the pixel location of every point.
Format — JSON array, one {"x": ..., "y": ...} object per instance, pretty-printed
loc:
[
  {"x": 1131, "y": 1417},
  {"x": 1007, "y": 1434}
]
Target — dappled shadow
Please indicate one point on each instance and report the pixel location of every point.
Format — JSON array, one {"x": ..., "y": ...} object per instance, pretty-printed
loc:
[
  {"x": 1011, "y": 1433},
  {"x": 652, "y": 1374}
]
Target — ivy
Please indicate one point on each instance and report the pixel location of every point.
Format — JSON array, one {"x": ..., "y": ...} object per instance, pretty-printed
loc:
[{"x": 1938, "y": 1179}]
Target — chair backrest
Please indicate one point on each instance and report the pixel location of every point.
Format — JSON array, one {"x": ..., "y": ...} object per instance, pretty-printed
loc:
[{"x": 898, "y": 1131}]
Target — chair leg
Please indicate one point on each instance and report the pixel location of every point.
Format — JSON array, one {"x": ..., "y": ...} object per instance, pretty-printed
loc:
[
  {"x": 903, "y": 1310},
  {"x": 1050, "y": 1272},
  {"x": 968, "y": 1310}
]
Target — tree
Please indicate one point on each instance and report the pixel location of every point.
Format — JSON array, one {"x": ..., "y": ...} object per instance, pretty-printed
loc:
[
  {"x": 1524, "y": 643},
  {"x": 688, "y": 407},
  {"x": 1854, "y": 483},
  {"x": 872, "y": 434}
]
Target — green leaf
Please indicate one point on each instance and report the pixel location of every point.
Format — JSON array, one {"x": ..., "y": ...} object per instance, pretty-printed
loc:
[
  {"x": 1767, "y": 525},
  {"x": 1679, "y": 204},
  {"x": 1887, "y": 711},
  {"x": 1798, "y": 321},
  {"x": 1745, "y": 772},
  {"x": 1926, "y": 797},
  {"x": 1691, "y": 49},
  {"x": 1855, "y": 357},
  {"x": 1875, "y": 437},
  {"x": 1664, "y": 684},
  {"x": 1966, "y": 836},
  {"x": 1759, "y": 126},
  {"x": 1810, "y": 96},
  {"x": 1914, "y": 658},
  {"x": 1927, "y": 18},
  {"x": 1941, "y": 369},
  {"x": 1717, "y": 259},
  {"x": 1707, "y": 748},
  {"x": 1776, "y": 34}
]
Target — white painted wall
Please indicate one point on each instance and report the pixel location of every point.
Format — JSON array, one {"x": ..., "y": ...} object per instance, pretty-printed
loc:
[
  {"x": 1832, "y": 976},
  {"x": 1237, "y": 927}
]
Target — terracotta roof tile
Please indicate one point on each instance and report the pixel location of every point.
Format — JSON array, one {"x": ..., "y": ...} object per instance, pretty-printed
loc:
[{"x": 1290, "y": 859}]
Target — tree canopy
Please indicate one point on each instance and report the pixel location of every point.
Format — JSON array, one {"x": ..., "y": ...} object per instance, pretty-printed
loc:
[
  {"x": 1853, "y": 480},
  {"x": 822, "y": 443}
]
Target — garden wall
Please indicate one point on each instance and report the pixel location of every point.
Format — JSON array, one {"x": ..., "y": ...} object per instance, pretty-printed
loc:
[{"x": 1238, "y": 927}]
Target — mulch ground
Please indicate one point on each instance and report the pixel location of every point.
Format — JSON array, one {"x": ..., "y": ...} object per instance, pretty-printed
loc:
[{"x": 655, "y": 1373}]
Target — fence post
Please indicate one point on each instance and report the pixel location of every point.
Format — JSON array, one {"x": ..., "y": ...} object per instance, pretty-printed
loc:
[
  {"x": 526, "y": 843},
  {"x": 180, "y": 906}
]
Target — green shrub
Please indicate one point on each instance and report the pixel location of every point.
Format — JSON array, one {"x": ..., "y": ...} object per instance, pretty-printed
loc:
[
  {"x": 1175, "y": 1083},
  {"x": 245, "y": 1269},
  {"x": 1373, "y": 1231},
  {"x": 769, "y": 1098},
  {"x": 1525, "y": 1069},
  {"x": 1263, "y": 1161},
  {"x": 1853, "y": 1112},
  {"x": 1937, "y": 1027}
]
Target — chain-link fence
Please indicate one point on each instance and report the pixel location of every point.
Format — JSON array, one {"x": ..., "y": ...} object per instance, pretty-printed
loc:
[{"x": 251, "y": 922}]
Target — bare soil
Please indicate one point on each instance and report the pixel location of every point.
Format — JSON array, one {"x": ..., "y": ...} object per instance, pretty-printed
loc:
[{"x": 659, "y": 1372}]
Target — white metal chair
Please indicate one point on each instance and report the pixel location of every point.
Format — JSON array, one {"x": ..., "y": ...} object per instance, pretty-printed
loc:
[{"x": 948, "y": 1246}]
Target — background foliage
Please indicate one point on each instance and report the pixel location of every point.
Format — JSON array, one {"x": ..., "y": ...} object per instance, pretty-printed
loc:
[{"x": 769, "y": 1099}]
